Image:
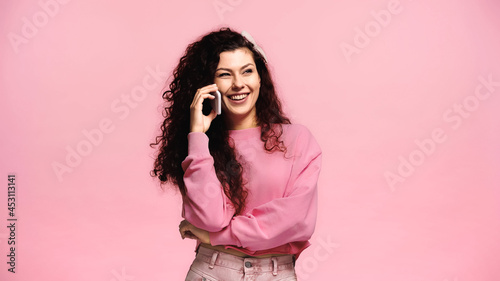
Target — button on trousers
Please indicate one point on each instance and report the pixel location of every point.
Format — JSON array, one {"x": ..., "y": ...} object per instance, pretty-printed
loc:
[{"x": 211, "y": 265}]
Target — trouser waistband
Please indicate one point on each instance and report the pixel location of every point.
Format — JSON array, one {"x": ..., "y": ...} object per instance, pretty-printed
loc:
[{"x": 247, "y": 265}]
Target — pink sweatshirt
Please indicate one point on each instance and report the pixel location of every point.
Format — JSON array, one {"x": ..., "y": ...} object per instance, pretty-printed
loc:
[{"x": 281, "y": 207}]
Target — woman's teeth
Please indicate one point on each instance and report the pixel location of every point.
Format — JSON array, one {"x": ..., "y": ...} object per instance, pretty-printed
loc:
[{"x": 238, "y": 97}]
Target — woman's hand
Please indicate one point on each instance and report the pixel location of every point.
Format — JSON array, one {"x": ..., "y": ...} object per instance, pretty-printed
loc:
[
  {"x": 200, "y": 122},
  {"x": 190, "y": 231}
]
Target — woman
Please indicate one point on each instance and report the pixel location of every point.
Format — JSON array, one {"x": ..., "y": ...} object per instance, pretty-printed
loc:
[{"x": 247, "y": 177}]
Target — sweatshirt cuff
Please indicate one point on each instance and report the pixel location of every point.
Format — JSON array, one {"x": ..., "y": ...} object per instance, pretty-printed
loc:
[
  {"x": 224, "y": 237},
  {"x": 198, "y": 143}
]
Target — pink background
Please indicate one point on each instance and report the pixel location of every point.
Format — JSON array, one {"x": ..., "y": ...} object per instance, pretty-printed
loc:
[{"x": 391, "y": 106}]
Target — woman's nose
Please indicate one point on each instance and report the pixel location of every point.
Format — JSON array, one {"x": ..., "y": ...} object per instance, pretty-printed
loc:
[{"x": 238, "y": 82}]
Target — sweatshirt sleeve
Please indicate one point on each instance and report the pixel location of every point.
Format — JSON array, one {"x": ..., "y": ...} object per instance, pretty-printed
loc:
[
  {"x": 283, "y": 220},
  {"x": 205, "y": 205}
]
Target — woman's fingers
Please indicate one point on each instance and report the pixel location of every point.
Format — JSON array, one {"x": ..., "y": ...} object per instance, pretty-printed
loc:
[
  {"x": 200, "y": 122},
  {"x": 189, "y": 235},
  {"x": 185, "y": 230},
  {"x": 212, "y": 115},
  {"x": 203, "y": 93}
]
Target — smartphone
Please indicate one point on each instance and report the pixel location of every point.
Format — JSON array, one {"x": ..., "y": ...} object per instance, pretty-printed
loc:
[{"x": 216, "y": 103}]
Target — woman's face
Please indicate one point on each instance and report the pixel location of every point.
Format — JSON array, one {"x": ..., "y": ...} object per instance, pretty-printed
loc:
[{"x": 238, "y": 82}]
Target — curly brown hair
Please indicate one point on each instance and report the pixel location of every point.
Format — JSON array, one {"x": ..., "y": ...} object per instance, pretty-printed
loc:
[{"x": 196, "y": 69}]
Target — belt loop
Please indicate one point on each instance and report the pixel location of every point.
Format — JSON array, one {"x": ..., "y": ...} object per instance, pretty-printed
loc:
[
  {"x": 275, "y": 266},
  {"x": 214, "y": 257}
]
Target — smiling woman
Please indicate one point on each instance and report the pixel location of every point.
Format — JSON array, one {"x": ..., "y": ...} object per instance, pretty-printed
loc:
[
  {"x": 248, "y": 178},
  {"x": 237, "y": 79}
]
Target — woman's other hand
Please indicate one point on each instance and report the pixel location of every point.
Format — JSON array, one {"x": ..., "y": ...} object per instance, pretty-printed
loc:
[
  {"x": 199, "y": 121},
  {"x": 190, "y": 231}
]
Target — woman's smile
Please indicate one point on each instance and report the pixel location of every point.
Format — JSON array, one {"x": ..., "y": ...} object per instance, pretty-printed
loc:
[{"x": 238, "y": 97}]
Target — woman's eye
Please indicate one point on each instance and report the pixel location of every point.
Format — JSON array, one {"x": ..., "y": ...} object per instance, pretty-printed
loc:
[
  {"x": 248, "y": 71},
  {"x": 223, "y": 74}
]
